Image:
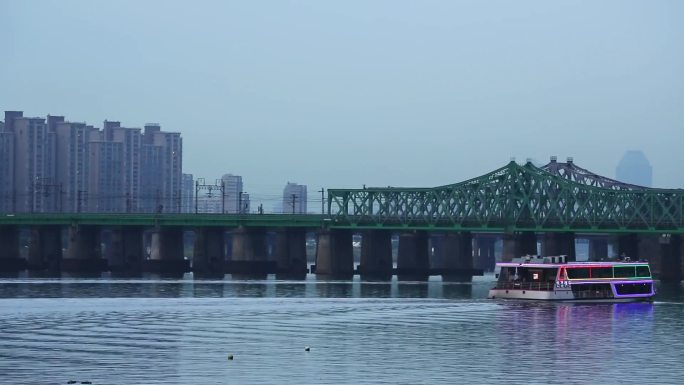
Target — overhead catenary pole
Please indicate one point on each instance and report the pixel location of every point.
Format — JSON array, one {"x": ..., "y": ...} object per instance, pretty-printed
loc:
[
  {"x": 294, "y": 196},
  {"x": 322, "y": 191}
]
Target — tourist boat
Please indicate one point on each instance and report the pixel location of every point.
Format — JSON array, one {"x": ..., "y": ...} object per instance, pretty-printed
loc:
[{"x": 555, "y": 279}]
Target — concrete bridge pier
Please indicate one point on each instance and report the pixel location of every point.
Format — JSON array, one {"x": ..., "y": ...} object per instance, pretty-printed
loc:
[
  {"x": 289, "y": 253},
  {"x": 376, "y": 255},
  {"x": 671, "y": 249},
  {"x": 250, "y": 253},
  {"x": 83, "y": 253},
  {"x": 334, "y": 254},
  {"x": 10, "y": 257},
  {"x": 456, "y": 250},
  {"x": 484, "y": 253},
  {"x": 650, "y": 250},
  {"x": 167, "y": 252},
  {"x": 208, "y": 258},
  {"x": 628, "y": 246},
  {"x": 413, "y": 260},
  {"x": 516, "y": 245},
  {"x": 126, "y": 250},
  {"x": 559, "y": 244},
  {"x": 598, "y": 249},
  {"x": 45, "y": 248}
]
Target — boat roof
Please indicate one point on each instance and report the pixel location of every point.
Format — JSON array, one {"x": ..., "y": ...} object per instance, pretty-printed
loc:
[{"x": 573, "y": 264}]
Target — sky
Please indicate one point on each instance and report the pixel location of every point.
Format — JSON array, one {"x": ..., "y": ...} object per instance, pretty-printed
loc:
[{"x": 341, "y": 94}]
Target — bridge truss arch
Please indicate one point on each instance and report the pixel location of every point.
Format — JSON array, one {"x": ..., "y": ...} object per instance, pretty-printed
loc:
[{"x": 513, "y": 198}]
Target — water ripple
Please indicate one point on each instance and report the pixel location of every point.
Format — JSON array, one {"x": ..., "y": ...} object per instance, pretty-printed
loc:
[{"x": 134, "y": 335}]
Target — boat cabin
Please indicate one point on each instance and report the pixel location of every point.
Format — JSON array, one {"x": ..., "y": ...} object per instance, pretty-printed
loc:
[{"x": 537, "y": 273}]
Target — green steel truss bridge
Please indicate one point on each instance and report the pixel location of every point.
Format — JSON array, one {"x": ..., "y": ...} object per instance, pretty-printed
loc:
[{"x": 556, "y": 197}]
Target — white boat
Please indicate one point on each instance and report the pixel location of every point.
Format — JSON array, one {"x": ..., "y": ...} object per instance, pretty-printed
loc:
[{"x": 555, "y": 279}]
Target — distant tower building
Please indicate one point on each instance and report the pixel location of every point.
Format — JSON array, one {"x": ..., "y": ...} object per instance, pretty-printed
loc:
[
  {"x": 294, "y": 199},
  {"x": 234, "y": 195},
  {"x": 634, "y": 168},
  {"x": 188, "y": 194},
  {"x": 73, "y": 166},
  {"x": 209, "y": 202},
  {"x": 161, "y": 169},
  {"x": 246, "y": 205},
  {"x": 32, "y": 168},
  {"x": 129, "y": 162},
  {"x": 6, "y": 169},
  {"x": 106, "y": 178}
]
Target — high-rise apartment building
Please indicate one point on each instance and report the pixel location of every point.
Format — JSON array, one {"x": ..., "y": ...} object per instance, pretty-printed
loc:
[
  {"x": 187, "y": 194},
  {"x": 245, "y": 204},
  {"x": 74, "y": 167},
  {"x": 634, "y": 168},
  {"x": 235, "y": 198},
  {"x": 6, "y": 169},
  {"x": 31, "y": 166},
  {"x": 161, "y": 169},
  {"x": 130, "y": 140},
  {"x": 294, "y": 199},
  {"x": 73, "y": 164},
  {"x": 106, "y": 190}
]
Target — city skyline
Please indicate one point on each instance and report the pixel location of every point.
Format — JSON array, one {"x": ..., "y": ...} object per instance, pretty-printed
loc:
[
  {"x": 381, "y": 93},
  {"x": 51, "y": 164},
  {"x": 107, "y": 150}
]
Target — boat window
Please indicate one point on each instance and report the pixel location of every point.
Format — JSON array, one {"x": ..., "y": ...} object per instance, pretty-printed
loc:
[
  {"x": 592, "y": 290},
  {"x": 624, "y": 272},
  {"x": 506, "y": 274},
  {"x": 536, "y": 274},
  {"x": 578, "y": 272},
  {"x": 601, "y": 272},
  {"x": 643, "y": 271},
  {"x": 550, "y": 274},
  {"x": 633, "y": 288}
]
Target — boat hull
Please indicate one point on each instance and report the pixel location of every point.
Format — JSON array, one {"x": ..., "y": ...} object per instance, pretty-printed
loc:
[{"x": 560, "y": 295}]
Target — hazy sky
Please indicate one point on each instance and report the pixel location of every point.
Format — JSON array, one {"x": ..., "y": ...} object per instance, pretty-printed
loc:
[{"x": 346, "y": 93}]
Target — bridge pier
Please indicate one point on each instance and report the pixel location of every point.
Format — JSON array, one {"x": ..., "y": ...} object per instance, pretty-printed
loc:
[
  {"x": 376, "y": 254},
  {"x": 671, "y": 249},
  {"x": 167, "y": 252},
  {"x": 413, "y": 260},
  {"x": 516, "y": 245},
  {"x": 126, "y": 250},
  {"x": 598, "y": 249},
  {"x": 208, "y": 258},
  {"x": 456, "y": 251},
  {"x": 628, "y": 246},
  {"x": 290, "y": 253},
  {"x": 559, "y": 244},
  {"x": 484, "y": 252},
  {"x": 334, "y": 254},
  {"x": 250, "y": 253},
  {"x": 45, "y": 248},
  {"x": 10, "y": 257},
  {"x": 83, "y": 253},
  {"x": 651, "y": 251}
]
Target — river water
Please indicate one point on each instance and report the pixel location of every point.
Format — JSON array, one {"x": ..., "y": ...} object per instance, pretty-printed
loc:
[{"x": 154, "y": 331}]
